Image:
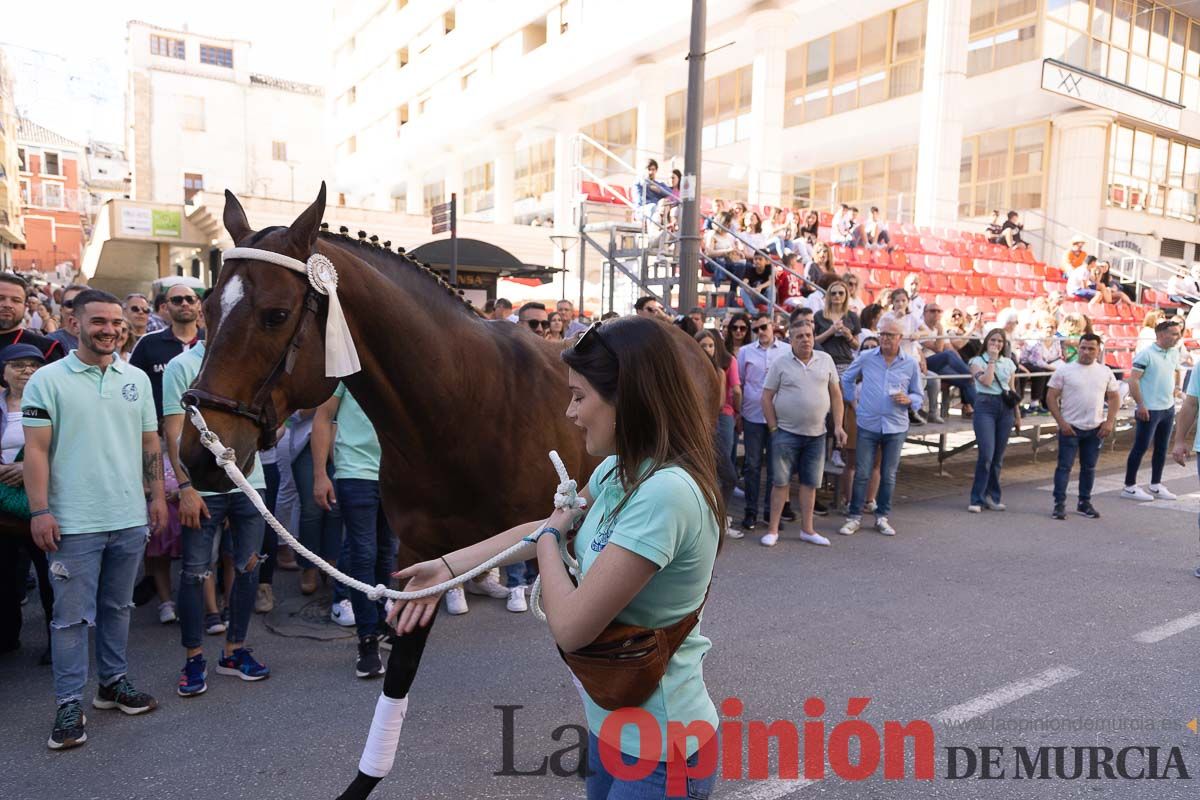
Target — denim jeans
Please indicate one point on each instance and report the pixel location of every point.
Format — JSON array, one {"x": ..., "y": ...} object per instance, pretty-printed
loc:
[
  {"x": 993, "y": 422},
  {"x": 1087, "y": 444},
  {"x": 266, "y": 572},
  {"x": 92, "y": 575},
  {"x": 247, "y": 527},
  {"x": 864, "y": 464},
  {"x": 803, "y": 455},
  {"x": 1158, "y": 430},
  {"x": 722, "y": 266},
  {"x": 949, "y": 362},
  {"x": 371, "y": 545},
  {"x": 320, "y": 530},
  {"x": 523, "y": 573},
  {"x": 757, "y": 440},
  {"x": 751, "y": 301},
  {"x": 601, "y": 785},
  {"x": 726, "y": 446}
]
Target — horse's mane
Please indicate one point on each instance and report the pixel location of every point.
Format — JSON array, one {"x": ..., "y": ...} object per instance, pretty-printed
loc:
[{"x": 395, "y": 265}]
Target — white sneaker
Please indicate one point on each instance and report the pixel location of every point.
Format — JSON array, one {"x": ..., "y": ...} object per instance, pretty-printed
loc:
[
  {"x": 769, "y": 539},
  {"x": 974, "y": 509},
  {"x": 881, "y": 525},
  {"x": 993, "y": 505},
  {"x": 735, "y": 533},
  {"x": 456, "y": 601},
  {"x": 1136, "y": 493},
  {"x": 737, "y": 492},
  {"x": 852, "y": 525},
  {"x": 166, "y": 613},
  {"x": 814, "y": 538},
  {"x": 837, "y": 459},
  {"x": 870, "y": 507},
  {"x": 1161, "y": 492},
  {"x": 342, "y": 612},
  {"x": 516, "y": 600},
  {"x": 488, "y": 587}
]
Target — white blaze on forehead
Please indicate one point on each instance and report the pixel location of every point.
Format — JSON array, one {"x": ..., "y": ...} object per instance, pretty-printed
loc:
[{"x": 231, "y": 295}]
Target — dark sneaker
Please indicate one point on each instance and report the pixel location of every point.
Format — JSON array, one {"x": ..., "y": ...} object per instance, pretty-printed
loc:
[
  {"x": 1060, "y": 512},
  {"x": 368, "y": 664},
  {"x": 68, "y": 727},
  {"x": 242, "y": 665},
  {"x": 1088, "y": 510},
  {"x": 384, "y": 634},
  {"x": 193, "y": 677},
  {"x": 788, "y": 515},
  {"x": 144, "y": 592},
  {"x": 820, "y": 509},
  {"x": 748, "y": 522},
  {"x": 122, "y": 695}
]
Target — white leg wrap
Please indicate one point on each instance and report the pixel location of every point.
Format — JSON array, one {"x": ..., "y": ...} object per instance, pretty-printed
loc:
[{"x": 384, "y": 738}]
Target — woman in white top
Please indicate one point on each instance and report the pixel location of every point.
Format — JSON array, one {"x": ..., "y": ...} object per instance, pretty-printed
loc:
[{"x": 20, "y": 362}]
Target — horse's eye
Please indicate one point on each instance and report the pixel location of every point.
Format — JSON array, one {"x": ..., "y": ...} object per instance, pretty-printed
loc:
[{"x": 275, "y": 317}]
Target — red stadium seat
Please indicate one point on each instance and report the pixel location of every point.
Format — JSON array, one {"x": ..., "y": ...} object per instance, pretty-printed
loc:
[
  {"x": 881, "y": 257},
  {"x": 900, "y": 259},
  {"x": 959, "y": 283},
  {"x": 1053, "y": 274}
]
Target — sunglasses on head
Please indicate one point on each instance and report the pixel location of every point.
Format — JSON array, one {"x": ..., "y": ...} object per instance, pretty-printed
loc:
[
  {"x": 591, "y": 337},
  {"x": 181, "y": 299},
  {"x": 537, "y": 323}
]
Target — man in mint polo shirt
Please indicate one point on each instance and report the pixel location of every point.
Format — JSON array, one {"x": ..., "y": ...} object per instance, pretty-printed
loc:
[
  {"x": 369, "y": 552},
  {"x": 1153, "y": 384},
  {"x": 203, "y": 516},
  {"x": 91, "y": 459}
]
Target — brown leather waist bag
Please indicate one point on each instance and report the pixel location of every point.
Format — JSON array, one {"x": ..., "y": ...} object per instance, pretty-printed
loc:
[{"x": 625, "y": 664}]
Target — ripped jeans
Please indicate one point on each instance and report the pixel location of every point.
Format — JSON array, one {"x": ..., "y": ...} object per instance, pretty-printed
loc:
[
  {"x": 247, "y": 526},
  {"x": 92, "y": 575}
]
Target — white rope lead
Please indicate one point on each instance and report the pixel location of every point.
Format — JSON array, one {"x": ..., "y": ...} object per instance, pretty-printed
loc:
[{"x": 565, "y": 497}]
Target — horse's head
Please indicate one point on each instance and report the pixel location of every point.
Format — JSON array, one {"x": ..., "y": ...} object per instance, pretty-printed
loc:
[{"x": 265, "y": 356}]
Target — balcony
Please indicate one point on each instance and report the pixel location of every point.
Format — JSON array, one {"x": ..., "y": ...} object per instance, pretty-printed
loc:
[{"x": 53, "y": 196}]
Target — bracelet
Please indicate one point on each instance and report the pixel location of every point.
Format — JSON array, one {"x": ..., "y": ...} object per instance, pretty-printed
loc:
[
  {"x": 39, "y": 513},
  {"x": 185, "y": 485},
  {"x": 447, "y": 563},
  {"x": 533, "y": 537}
]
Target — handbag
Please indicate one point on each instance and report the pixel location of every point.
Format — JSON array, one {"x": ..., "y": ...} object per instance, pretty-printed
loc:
[
  {"x": 13, "y": 499},
  {"x": 626, "y": 663},
  {"x": 1010, "y": 398}
]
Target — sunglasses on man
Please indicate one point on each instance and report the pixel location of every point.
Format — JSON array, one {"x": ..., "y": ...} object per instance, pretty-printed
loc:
[
  {"x": 139, "y": 309},
  {"x": 760, "y": 328},
  {"x": 535, "y": 324},
  {"x": 181, "y": 299}
]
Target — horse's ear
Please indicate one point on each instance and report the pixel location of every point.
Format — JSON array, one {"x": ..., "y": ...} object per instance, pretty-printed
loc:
[
  {"x": 235, "y": 218},
  {"x": 303, "y": 232}
]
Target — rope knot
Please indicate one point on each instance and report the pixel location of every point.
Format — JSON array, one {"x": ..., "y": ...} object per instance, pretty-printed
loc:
[
  {"x": 228, "y": 456},
  {"x": 374, "y": 594}
]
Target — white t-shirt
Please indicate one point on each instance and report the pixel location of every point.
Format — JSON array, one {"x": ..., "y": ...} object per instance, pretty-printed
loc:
[
  {"x": 14, "y": 437},
  {"x": 1078, "y": 279},
  {"x": 1083, "y": 390}
]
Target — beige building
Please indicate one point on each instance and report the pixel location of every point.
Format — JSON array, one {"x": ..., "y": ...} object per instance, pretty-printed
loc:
[{"x": 11, "y": 229}]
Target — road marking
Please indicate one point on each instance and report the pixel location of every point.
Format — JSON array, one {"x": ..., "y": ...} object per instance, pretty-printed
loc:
[
  {"x": 772, "y": 789},
  {"x": 1160, "y": 632},
  {"x": 1009, "y": 693}
]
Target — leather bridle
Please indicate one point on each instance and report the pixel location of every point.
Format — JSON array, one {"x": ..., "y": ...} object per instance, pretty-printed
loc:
[{"x": 261, "y": 410}]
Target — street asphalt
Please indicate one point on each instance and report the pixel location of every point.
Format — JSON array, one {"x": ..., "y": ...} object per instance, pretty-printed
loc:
[{"x": 1002, "y": 629}]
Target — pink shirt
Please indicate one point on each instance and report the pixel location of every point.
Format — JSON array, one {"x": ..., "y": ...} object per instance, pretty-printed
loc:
[{"x": 732, "y": 379}]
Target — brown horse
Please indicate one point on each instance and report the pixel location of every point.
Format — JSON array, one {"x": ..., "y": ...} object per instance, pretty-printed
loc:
[{"x": 466, "y": 409}]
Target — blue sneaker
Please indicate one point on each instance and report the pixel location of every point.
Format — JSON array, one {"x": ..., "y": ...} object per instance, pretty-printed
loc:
[
  {"x": 242, "y": 665},
  {"x": 192, "y": 677}
]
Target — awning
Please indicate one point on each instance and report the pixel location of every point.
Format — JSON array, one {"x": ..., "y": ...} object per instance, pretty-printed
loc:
[{"x": 475, "y": 255}]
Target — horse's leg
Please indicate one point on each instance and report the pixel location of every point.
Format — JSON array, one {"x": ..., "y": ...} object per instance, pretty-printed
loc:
[{"x": 390, "y": 710}]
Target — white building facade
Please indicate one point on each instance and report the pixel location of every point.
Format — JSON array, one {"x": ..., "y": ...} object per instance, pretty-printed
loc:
[
  {"x": 933, "y": 110},
  {"x": 198, "y": 119}
]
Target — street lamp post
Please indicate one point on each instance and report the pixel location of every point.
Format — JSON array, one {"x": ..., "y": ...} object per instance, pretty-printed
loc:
[{"x": 564, "y": 242}]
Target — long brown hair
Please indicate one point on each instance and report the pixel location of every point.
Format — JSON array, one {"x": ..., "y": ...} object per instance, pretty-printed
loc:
[
  {"x": 638, "y": 368},
  {"x": 721, "y": 357}
]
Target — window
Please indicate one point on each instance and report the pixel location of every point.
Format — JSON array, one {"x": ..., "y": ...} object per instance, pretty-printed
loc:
[
  {"x": 726, "y": 112},
  {"x": 533, "y": 36},
  {"x": 21, "y": 160},
  {"x": 279, "y": 151},
  {"x": 1003, "y": 33},
  {"x": 617, "y": 134},
  {"x": 857, "y": 66},
  {"x": 25, "y": 197},
  {"x": 193, "y": 113},
  {"x": 401, "y": 117},
  {"x": 1153, "y": 174},
  {"x": 193, "y": 184},
  {"x": 166, "y": 46},
  {"x": 886, "y": 181},
  {"x": 51, "y": 164},
  {"x": 53, "y": 194},
  {"x": 434, "y": 194},
  {"x": 534, "y": 171},
  {"x": 217, "y": 56},
  {"x": 402, "y": 58},
  {"x": 477, "y": 188},
  {"x": 1002, "y": 170},
  {"x": 1140, "y": 43}
]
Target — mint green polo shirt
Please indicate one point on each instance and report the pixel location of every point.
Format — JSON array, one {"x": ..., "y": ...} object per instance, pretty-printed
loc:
[
  {"x": 97, "y": 419},
  {"x": 1001, "y": 377},
  {"x": 356, "y": 449},
  {"x": 667, "y": 522},
  {"x": 1158, "y": 367},
  {"x": 180, "y": 373}
]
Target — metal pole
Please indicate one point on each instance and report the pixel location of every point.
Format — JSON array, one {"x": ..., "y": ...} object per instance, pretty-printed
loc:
[
  {"x": 453, "y": 239},
  {"x": 689, "y": 237},
  {"x": 582, "y": 258}
]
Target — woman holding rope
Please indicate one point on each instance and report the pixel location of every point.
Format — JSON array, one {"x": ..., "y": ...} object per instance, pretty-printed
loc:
[{"x": 646, "y": 550}]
